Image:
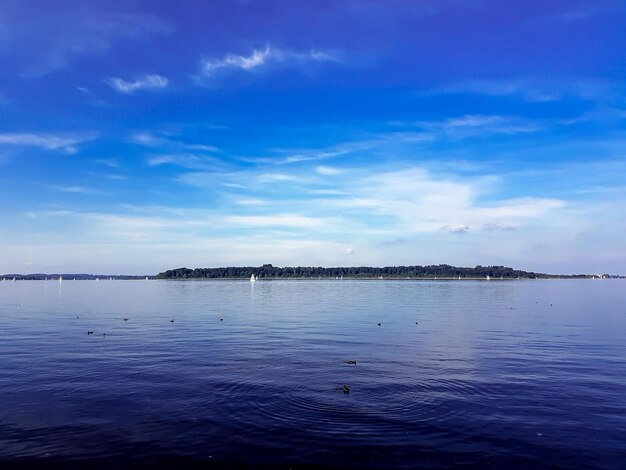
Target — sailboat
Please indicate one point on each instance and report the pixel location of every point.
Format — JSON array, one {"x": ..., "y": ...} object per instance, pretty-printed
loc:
[
  {"x": 60, "y": 278},
  {"x": 488, "y": 277},
  {"x": 253, "y": 278}
]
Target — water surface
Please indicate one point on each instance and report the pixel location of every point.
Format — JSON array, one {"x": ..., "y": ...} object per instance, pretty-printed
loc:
[{"x": 464, "y": 373}]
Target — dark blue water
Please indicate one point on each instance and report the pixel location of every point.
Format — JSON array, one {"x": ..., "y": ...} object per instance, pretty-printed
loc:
[{"x": 499, "y": 374}]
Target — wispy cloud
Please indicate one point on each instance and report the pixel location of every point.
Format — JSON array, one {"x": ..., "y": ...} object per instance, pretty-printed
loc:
[
  {"x": 455, "y": 228},
  {"x": 476, "y": 124},
  {"x": 290, "y": 155},
  {"x": 375, "y": 201},
  {"x": 418, "y": 201},
  {"x": 65, "y": 143},
  {"x": 530, "y": 89},
  {"x": 266, "y": 178},
  {"x": 254, "y": 60},
  {"x": 328, "y": 170},
  {"x": 77, "y": 190},
  {"x": 260, "y": 58},
  {"x": 282, "y": 220},
  {"x": 251, "y": 202},
  {"x": 147, "y": 82},
  {"x": 168, "y": 143},
  {"x": 191, "y": 161}
]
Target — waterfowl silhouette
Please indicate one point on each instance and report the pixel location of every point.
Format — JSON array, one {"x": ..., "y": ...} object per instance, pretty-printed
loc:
[
  {"x": 125, "y": 319},
  {"x": 221, "y": 319},
  {"x": 90, "y": 332},
  {"x": 352, "y": 363},
  {"x": 346, "y": 389},
  {"x": 379, "y": 324},
  {"x": 172, "y": 320}
]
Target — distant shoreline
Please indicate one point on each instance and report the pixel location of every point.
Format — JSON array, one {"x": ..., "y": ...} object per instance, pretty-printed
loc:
[
  {"x": 298, "y": 279},
  {"x": 74, "y": 277},
  {"x": 433, "y": 272},
  {"x": 442, "y": 272}
]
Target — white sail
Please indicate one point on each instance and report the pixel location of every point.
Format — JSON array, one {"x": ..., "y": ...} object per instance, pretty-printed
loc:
[{"x": 253, "y": 278}]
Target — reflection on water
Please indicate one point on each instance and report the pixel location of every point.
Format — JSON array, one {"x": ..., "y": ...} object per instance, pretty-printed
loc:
[{"x": 474, "y": 373}]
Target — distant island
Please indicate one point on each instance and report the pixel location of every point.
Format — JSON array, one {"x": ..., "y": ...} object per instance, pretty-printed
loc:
[{"x": 441, "y": 271}]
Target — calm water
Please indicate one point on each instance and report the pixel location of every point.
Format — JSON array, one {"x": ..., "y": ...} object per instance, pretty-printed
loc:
[{"x": 495, "y": 374}]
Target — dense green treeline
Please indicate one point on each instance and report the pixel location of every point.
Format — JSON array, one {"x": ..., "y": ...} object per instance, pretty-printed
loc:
[{"x": 273, "y": 272}]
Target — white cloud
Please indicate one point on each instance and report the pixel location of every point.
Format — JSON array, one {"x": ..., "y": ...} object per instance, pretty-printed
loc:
[
  {"x": 147, "y": 82},
  {"x": 251, "y": 202},
  {"x": 532, "y": 90},
  {"x": 144, "y": 138},
  {"x": 150, "y": 140},
  {"x": 470, "y": 125},
  {"x": 264, "y": 57},
  {"x": 415, "y": 201},
  {"x": 75, "y": 189},
  {"x": 304, "y": 155},
  {"x": 256, "y": 59},
  {"x": 328, "y": 170},
  {"x": 66, "y": 143},
  {"x": 280, "y": 220},
  {"x": 499, "y": 124},
  {"x": 455, "y": 228},
  {"x": 191, "y": 161},
  {"x": 276, "y": 178}
]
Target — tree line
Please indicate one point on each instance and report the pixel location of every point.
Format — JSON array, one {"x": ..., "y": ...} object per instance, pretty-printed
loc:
[{"x": 299, "y": 272}]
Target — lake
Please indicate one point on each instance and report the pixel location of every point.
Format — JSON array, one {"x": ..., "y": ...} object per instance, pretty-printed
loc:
[{"x": 496, "y": 374}]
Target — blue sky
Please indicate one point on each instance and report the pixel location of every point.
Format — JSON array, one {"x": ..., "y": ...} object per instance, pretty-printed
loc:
[{"x": 141, "y": 136}]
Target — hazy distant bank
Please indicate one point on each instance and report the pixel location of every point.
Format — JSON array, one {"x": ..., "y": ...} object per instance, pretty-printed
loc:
[
  {"x": 268, "y": 272},
  {"x": 442, "y": 271}
]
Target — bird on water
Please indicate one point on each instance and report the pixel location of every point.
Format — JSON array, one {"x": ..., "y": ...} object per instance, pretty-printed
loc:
[{"x": 352, "y": 363}]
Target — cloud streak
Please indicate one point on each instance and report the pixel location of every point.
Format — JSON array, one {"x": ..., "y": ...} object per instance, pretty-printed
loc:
[
  {"x": 530, "y": 89},
  {"x": 150, "y": 140},
  {"x": 65, "y": 143},
  {"x": 147, "y": 82},
  {"x": 262, "y": 58}
]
